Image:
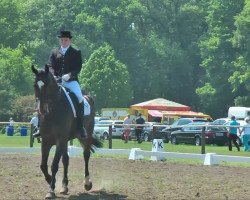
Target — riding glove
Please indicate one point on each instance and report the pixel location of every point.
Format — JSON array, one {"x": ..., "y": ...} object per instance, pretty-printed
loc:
[{"x": 66, "y": 77}]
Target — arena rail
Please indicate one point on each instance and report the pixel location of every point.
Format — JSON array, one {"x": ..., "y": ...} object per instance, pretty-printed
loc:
[{"x": 138, "y": 154}]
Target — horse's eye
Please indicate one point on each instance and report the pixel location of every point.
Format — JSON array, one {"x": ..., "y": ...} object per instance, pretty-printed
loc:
[{"x": 40, "y": 84}]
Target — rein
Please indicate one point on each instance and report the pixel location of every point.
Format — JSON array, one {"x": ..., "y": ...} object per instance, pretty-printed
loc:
[{"x": 48, "y": 98}]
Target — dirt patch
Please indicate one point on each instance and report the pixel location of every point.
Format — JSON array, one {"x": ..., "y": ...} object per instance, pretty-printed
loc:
[{"x": 115, "y": 179}]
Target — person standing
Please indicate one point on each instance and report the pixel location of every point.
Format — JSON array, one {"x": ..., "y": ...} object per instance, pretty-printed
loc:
[
  {"x": 66, "y": 62},
  {"x": 138, "y": 129},
  {"x": 11, "y": 122},
  {"x": 127, "y": 128},
  {"x": 232, "y": 136},
  {"x": 246, "y": 134},
  {"x": 34, "y": 120}
]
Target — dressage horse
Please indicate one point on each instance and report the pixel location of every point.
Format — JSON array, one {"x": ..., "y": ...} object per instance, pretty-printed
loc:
[{"x": 58, "y": 125}]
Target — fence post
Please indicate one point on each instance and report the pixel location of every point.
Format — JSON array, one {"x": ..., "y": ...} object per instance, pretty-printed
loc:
[
  {"x": 203, "y": 140},
  {"x": 110, "y": 136},
  {"x": 31, "y": 135},
  {"x": 154, "y": 132}
]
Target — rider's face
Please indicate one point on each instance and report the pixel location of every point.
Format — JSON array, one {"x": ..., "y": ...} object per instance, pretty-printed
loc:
[{"x": 65, "y": 42}]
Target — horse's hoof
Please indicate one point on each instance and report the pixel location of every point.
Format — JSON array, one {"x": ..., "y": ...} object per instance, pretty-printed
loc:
[
  {"x": 64, "y": 190},
  {"x": 88, "y": 187},
  {"x": 50, "y": 195}
]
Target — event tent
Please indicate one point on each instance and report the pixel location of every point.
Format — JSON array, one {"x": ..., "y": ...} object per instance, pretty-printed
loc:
[{"x": 160, "y": 104}]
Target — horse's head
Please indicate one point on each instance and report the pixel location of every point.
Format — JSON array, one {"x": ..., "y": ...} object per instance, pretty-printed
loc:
[{"x": 45, "y": 87}]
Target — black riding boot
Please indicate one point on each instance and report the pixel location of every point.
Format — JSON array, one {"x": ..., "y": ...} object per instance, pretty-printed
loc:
[{"x": 81, "y": 130}]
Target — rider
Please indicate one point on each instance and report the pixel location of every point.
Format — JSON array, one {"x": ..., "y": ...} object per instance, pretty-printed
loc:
[{"x": 66, "y": 62}]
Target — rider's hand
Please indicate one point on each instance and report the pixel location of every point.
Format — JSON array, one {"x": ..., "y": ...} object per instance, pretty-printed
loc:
[
  {"x": 51, "y": 70},
  {"x": 66, "y": 77}
]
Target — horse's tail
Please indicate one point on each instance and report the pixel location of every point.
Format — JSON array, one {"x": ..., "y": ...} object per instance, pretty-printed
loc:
[
  {"x": 96, "y": 143},
  {"x": 93, "y": 142}
]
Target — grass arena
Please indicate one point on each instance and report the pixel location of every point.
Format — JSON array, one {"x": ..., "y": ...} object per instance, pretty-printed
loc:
[{"x": 117, "y": 178}]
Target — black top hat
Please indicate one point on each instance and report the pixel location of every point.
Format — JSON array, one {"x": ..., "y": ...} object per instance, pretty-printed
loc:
[{"x": 65, "y": 34}]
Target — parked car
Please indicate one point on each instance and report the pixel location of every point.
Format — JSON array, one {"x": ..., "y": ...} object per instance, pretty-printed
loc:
[
  {"x": 177, "y": 125},
  {"x": 101, "y": 128},
  {"x": 191, "y": 134},
  {"x": 97, "y": 119},
  {"x": 117, "y": 128},
  {"x": 147, "y": 132},
  {"x": 226, "y": 122}
]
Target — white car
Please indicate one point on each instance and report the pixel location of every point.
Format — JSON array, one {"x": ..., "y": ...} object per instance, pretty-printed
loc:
[
  {"x": 101, "y": 128},
  {"x": 226, "y": 122}
]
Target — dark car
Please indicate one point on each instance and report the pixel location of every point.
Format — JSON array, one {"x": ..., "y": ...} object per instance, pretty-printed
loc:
[
  {"x": 191, "y": 134},
  {"x": 177, "y": 125},
  {"x": 147, "y": 132}
]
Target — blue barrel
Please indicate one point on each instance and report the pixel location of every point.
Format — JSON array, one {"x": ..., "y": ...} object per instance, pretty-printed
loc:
[
  {"x": 10, "y": 130},
  {"x": 23, "y": 131}
]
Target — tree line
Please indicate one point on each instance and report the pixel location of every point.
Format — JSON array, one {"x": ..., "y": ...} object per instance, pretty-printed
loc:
[{"x": 194, "y": 52}]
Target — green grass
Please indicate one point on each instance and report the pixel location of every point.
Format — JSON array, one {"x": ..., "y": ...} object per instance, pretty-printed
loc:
[{"x": 23, "y": 141}]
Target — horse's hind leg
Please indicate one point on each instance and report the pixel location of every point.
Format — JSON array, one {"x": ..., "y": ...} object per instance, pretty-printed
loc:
[
  {"x": 65, "y": 161},
  {"x": 87, "y": 182}
]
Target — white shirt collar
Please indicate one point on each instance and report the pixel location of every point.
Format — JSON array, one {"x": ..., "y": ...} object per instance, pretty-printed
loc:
[{"x": 64, "y": 49}]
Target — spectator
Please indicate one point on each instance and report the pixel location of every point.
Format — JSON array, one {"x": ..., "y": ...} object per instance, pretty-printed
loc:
[
  {"x": 11, "y": 122},
  {"x": 127, "y": 128},
  {"x": 34, "y": 120},
  {"x": 246, "y": 134},
  {"x": 138, "y": 129},
  {"x": 232, "y": 136}
]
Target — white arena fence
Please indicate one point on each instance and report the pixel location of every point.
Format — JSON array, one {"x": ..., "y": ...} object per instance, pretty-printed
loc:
[{"x": 157, "y": 154}]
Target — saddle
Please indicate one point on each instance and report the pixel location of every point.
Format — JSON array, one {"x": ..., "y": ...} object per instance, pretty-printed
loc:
[{"x": 73, "y": 101}]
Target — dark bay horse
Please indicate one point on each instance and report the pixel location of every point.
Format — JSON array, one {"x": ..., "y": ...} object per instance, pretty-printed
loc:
[{"x": 57, "y": 126}]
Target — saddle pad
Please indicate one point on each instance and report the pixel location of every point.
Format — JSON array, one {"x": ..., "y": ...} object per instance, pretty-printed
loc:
[{"x": 86, "y": 105}]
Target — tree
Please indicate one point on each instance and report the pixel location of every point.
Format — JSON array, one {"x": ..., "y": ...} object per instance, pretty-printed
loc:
[
  {"x": 11, "y": 21},
  {"x": 15, "y": 76},
  {"x": 107, "y": 79},
  {"x": 218, "y": 54},
  {"x": 240, "y": 79}
]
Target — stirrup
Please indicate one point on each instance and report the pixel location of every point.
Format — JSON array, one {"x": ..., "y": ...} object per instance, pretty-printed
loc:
[{"x": 37, "y": 134}]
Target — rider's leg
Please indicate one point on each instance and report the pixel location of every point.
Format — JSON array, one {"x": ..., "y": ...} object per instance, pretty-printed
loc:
[
  {"x": 81, "y": 130},
  {"x": 75, "y": 87}
]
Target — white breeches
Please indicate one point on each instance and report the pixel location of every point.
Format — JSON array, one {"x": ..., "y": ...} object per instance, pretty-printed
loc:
[{"x": 74, "y": 87}]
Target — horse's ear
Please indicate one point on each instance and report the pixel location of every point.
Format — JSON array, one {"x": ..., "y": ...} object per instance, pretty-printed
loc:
[
  {"x": 34, "y": 70},
  {"x": 46, "y": 69}
]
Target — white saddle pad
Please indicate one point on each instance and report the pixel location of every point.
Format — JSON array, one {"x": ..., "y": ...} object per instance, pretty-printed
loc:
[{"x": 86, "y": 107}]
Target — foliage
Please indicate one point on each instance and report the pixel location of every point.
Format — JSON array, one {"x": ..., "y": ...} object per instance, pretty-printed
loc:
[
  {"x": 218, "y": 54},
  {"x": 195, "y": 52},
  {"x": 24, "y": 107},
  {"x": 106, "y": 78},
  {"x": 15, "y": 77}
]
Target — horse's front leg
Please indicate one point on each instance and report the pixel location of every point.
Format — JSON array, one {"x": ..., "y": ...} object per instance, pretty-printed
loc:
[
  {"x": 54, "y": 169},
  {"x": 45, "y": 147},
  {"x": 87, "y": 182},
  {"x": 65, "y": 181}
]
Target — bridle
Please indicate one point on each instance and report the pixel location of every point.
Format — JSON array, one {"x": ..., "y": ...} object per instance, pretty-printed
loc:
[{"x": 45, "y": 98}]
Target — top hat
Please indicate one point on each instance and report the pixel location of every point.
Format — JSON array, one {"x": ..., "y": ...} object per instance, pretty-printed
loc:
[{"x": 65, "y": 34}]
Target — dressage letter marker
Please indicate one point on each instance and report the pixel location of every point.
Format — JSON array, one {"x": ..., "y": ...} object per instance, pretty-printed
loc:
[{"x": 157, "y": 147}]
